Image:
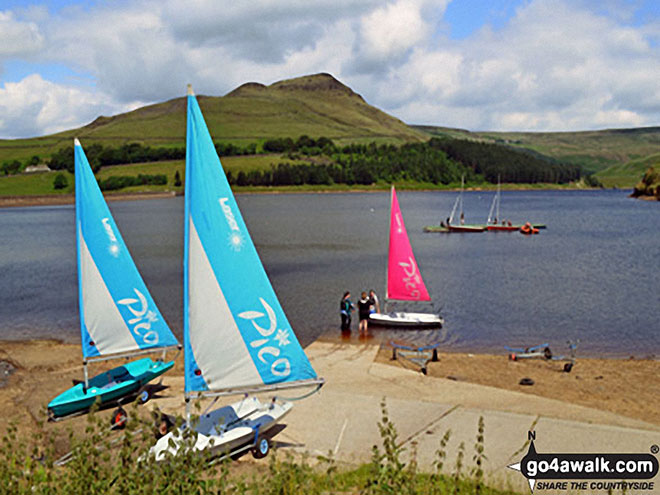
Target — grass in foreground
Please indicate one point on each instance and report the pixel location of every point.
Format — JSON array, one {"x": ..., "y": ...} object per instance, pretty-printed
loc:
[{"x": 104, "y": 463}]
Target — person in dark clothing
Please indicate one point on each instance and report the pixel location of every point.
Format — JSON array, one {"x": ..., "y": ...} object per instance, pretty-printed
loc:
[
  {"x": 345, "y": 308},
  {"x": 375, "y": 304},
  {"x": 364, "y": 305}
]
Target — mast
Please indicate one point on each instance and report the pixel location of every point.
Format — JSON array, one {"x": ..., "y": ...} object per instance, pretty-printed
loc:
[
  {"x": 387, "y": 266},
  {"x": 498, "y": 199},
  {"x": 461, "y": 218},
  {"x": 495, "y": 206}
]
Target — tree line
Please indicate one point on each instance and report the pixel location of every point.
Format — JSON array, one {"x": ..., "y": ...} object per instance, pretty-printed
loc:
[
  {"x": 437, "y": 161},
  {"x": 511, "y": 165},
  {"x": 101, "y": 156}
]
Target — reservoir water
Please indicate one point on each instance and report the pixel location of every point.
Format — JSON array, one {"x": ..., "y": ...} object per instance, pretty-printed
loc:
[{"x": 591, "y": 275}]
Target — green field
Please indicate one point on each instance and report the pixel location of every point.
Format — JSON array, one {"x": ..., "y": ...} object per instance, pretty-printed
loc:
[{"x": 39, "y": 184}]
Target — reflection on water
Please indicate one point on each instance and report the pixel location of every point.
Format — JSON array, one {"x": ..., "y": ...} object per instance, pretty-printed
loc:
[{"x": 590, "y": 275}]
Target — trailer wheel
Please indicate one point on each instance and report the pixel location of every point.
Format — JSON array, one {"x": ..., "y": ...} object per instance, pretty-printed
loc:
[
  {"x": 143, "y": 396},
  {"x": 118, "y": 419},
  {"x": 261, "y": 449}
]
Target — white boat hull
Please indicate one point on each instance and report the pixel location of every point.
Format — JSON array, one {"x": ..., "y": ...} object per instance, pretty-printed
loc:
[
  {"x": 407, "y": 320},
  {"x": 228, "y": 428}
]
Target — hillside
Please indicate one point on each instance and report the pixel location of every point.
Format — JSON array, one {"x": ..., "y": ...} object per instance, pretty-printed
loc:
[
  {"x": 593, "y": 150},
  {"x": 316, "y": 105},
  {"x": 628, "y": 174}
]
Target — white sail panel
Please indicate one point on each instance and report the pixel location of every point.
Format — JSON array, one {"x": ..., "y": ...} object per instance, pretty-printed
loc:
[
  {"x": 105, "y": 325},
  {"x": 226, "y": 367}
]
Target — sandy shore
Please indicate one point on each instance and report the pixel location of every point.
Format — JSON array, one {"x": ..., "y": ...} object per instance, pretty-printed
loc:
[
  {"x": 629, "y": 387},
  {"x": 41, "y": 369}
]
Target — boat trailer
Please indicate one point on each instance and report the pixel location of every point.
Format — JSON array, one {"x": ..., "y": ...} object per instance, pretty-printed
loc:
[
  {"x": 542, "y": 351},
  {"x": 419, "y": 356}
]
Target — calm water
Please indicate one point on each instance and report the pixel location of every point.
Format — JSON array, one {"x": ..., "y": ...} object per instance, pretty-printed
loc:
[{"x": 592, "y": 275}]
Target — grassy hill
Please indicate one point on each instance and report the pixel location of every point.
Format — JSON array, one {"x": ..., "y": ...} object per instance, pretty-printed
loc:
[
  {"x": 319, "y": 105},
  {"x": 628, "y": 174},
  {"x": 595, "y": 151},
  {"x": 316, "y": 105}
]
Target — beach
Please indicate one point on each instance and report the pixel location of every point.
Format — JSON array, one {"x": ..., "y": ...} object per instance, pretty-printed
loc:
[
  {"x": 625, "y": 387},
  {"x": 570, "y": 412}
]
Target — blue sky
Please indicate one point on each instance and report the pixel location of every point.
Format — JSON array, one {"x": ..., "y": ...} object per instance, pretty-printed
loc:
[{"x": 534, "y": 65}]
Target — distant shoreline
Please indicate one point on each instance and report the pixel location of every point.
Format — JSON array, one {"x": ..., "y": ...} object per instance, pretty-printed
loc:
[{"x": 69, "y": 199}]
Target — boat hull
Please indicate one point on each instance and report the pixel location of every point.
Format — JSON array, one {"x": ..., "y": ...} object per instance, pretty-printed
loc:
[
  {"x": 466, "y": 228},
  {"x": 227, "y": 429},
  {"x": 401, "y": 319},
  {"x": 108, "y": 387},
  {"x": 436, "y": 229},
  {"x": 503, "y": 228}
]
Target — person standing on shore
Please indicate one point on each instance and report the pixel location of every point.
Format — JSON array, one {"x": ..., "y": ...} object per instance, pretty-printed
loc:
[
  {"x": 375, "y": 305},
  {"x": 345, "y": 308},
  {"x": 363, "y": 312}
]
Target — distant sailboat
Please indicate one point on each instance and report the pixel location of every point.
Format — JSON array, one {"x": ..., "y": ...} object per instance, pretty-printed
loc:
[
  {"x": 237, "y": 339},
  {"x": 451, "y": 225},
  {"x": 495, "y": 222},
  {"x": 404, "y": 280},
  {"x": 461, "y": 226},
  {"x": 494, "y": 219},
  {"x": 118, "y": 317}
]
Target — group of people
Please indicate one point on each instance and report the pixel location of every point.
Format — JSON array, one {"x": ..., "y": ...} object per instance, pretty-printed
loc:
[{"x": 365, "y": 306}]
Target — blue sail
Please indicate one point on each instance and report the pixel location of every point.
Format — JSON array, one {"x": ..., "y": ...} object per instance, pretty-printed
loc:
[
  {"x": 236, "y": 334},
  {"x": 117, "y": 313}
]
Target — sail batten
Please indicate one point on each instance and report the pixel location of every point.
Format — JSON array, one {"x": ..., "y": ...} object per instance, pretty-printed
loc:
[
  {"x": 235, "y": 331},
  {"x": 117, "y": 313},
  {"x": 404, "y": 280}
]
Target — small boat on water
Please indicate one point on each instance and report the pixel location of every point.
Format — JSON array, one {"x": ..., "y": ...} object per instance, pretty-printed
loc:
[
  {"x": 528, "y": 229},
  {"x": 118, "y": 317},
  {"x": 450, "y": 226},
  {"x": 493, "y": 222},
  {"x": 404, "y": 280},
  {"x": 237, "y": 338}
]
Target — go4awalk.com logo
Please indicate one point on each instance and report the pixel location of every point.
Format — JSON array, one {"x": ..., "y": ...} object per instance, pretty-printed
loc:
[{"x": 593, "y": 472}]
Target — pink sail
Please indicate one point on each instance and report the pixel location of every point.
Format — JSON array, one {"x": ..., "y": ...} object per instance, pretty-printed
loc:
[{"x": 404, "y": 281}]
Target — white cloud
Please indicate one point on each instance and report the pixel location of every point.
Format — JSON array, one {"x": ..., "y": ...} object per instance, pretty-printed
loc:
[
  {"x": 34, "y": 106},
  {"x": 555, "y": 65},
  {"x": 18, "y": 38}
]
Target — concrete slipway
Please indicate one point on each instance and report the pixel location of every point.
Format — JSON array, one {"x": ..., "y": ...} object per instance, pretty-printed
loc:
[{"x": 342, "y": 418}]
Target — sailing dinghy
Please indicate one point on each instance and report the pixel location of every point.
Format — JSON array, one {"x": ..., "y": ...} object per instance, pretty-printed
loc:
[
  {"x": 237, "y": 339},
  {"x": 493, "y": 221},
  {"x": 461, "y": 226},
  {"x": 450, "y": 226},
  {"x": 404, "y": 280},
  {"x": 118, "y": 317}
]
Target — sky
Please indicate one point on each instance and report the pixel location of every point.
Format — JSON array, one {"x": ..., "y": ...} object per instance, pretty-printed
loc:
[{"x": 500, "y": 65}]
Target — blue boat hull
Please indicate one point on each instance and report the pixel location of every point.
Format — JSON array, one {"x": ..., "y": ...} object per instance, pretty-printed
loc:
[{"x": 108, "y": 387}]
